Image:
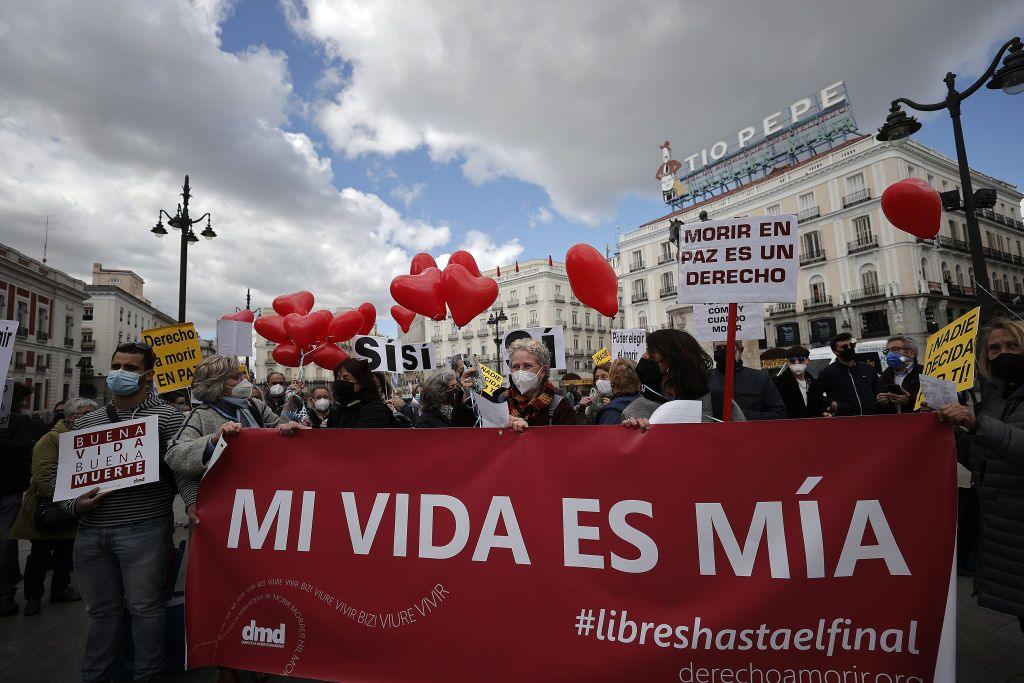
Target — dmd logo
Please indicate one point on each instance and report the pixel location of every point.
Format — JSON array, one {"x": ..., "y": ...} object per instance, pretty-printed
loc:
[{"x": 263, "y": 637}]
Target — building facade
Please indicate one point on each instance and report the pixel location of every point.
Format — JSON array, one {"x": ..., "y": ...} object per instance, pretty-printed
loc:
[
  {"x": 858, "y": 273},
  {"x": 115, "y": 312},
  {"x": 48, "y": 306},
  {"x": 534, "y": 293}
]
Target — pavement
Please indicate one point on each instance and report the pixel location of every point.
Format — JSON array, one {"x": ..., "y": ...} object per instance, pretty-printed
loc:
[{"x": 48, "y": 647}]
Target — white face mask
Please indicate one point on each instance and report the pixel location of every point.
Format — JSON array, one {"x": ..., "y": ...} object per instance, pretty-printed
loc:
[
  {"x": 798, "y": 367},
  {"x": 322, "y": 404},
  {"x": 604, "y": 386},
  {"x": 242, "y": 390},
  {"x": 525, "y": 380},
  {"x": 277, "y": 390}
]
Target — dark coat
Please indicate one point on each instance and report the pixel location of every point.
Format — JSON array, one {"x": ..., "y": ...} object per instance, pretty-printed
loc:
[
  {"x": 754, "y": 392},
  {"x": 611, "y": 412},
  {"x": 791, "y": 395},
  {"x": 853, "y": 390},
  {"x": 362, "y": 413},
  {"x": 995, "y": 455},
  {"x": 16, "y": 453},
  {"x": 911, "y": 385}
]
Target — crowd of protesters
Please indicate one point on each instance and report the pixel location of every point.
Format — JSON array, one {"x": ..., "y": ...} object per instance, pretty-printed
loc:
[{"x": 118, "y": 543}]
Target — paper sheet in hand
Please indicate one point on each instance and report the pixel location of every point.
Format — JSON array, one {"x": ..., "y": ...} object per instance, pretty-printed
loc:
[
  {"x": 113, "y": 456},
  {"x": 491, "y": 414},
  {"x": 938, "y": 392},
  {"x": 677, "y": 412},
  {"x": 218, "y": 449},
  {"x": 234, "y": 338}
]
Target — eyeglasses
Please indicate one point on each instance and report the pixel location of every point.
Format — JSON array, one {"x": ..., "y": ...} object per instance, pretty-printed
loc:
[
  {"x": 141, "y": 346},
  {"x": 896, "y": 349},
  {"x": 797, "y": 359}
]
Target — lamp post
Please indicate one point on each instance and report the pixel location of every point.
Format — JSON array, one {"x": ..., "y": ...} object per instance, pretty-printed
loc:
[
  {"x": 181, "y": 221},
  {"x": 497, "y": 318},
  {"x": 1010, "y": 79}
]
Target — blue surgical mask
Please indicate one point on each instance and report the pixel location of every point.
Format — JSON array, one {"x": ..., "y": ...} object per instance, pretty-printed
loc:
[
  {"x": 895, "y": 360},
  {"x": 123, "y": 382}
]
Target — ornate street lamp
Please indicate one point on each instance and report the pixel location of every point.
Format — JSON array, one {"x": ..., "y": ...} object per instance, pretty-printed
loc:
[
  {"x": 496, "y": 318},
  {"x": 181, "y": 221},
  {"x": 898, "y": 126}
]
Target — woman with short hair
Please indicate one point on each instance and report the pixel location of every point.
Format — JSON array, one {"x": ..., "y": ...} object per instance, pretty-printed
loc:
[
  {"x": 625, "y": 388},
  {"x": 441, "y": 404},
  {"x": 227, "y": 407},
  {"x": 532, "y": 398},
  {"x": 357, "y": 398}
]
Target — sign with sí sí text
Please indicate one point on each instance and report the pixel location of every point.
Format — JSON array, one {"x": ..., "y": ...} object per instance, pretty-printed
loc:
[
  {"x": 711, "y": 322},
  {"x": 177, "y": 352},
  {"x": 740, "y": 260},
  {"x": 388, "y": 355},
  {"x": 629, "y": 344},
  {"x": 113, "y": 456}
]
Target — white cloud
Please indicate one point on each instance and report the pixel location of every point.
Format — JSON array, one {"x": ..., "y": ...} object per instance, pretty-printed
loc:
[
  {"x": 408, "y": 194},
  {"x": 577, "y": 102},
  {"x": 487, "y": 253},
  {"x": 100, "y": 118},
  {"x": 541, "y": 216}
]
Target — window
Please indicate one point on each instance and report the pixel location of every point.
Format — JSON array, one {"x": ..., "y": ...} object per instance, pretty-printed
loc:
[
  {"x": 533, "y": 318},
  {"x": 946, "y": 277},
  {"x": 576, "y": 342},
  {"x": 483, "y": 348},
  {"x": 636, "y": 260},
  {"x": 69, "y": 324},
  {"x": 1006, "y": 283},
  {"x": 818, "y": 289},
  {"x": 558, "y": 315},
  {"x": 997, "y": 284},
  {"x": 3, "y": 303},
  {"x": 774, "y": 210},
  {"x": 639, "y": 291},
  {"x": 575, "y": 317},
  {"x": 558, "y": 291},
  {"x": 910, "y": 170},
  {"x": 531, "y": 291},
  {"x": 806, "y": 201},
  {"x": 855, "y": 183},
  {"x": 590, "y": 344},
  {"x": 925, "y": 269},
  {"x": 120, "y": 315},
  {"x": 869, "y": 279},
  {"x": 666, "y": 252},
  {"x": 959, "y": 274},
  {"x": 954, "y": 229},
  {"x": 515, "y": 320},
  {"x": 641, "y": 319},
  {"x": 43, "y": 316},
  {"x": 23, "y": 313},
  {"x": 1016, "y": 285},
  {"x": 862, "y": 230},
  {"x": 86, "y": 334},
  {"x": 667, "y": 283},
  {"x": 114, "y": 280},
  {"x": 812, "y": 244},
  {"x": 587, "y": 318}
]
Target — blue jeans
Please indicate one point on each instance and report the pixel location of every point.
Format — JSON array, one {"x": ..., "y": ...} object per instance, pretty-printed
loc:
[
  {"x": 118, "y": 566},
  {"x": 10, "y": 569}
]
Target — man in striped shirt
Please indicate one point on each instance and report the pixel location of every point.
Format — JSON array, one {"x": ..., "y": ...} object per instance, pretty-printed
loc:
[{"x": 124, "y": 536}]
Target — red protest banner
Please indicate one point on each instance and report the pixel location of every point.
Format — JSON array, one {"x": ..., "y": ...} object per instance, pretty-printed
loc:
[{"x": 581, "y": 554}]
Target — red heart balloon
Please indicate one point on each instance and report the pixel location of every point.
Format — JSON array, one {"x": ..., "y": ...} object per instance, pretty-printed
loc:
[
  {"x": 421, "y": 293},
  {"x": 402, "y": 316},
  {"x": 287, "y": 354},
  {"x": 467, "y": 295},
  {"x": 245, "y": 316},
  {"x": 305, "y": 330},
  {"x": 421, "y": 262},
  {"x": 592, "y": 279},
  {"x": 328, "y": 356},
  {"x": 298, "y": 302},
  {"x": 464, "y": 258},
  {"x": 271, "y": 327},
  {"x": 912, "y": 205},
  {"x": 344, "y": 326},
  {"x": 369, "y": 317}
]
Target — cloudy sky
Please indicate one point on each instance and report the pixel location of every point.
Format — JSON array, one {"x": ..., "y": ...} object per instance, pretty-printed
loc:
[{"x": 334, "y": 139}]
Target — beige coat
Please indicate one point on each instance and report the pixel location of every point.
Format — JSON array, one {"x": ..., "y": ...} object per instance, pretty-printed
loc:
[{"x": 44, "y": 467}]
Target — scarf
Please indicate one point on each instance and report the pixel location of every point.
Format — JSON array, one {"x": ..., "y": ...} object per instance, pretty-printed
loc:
[
  {"x": 531, "y": 409},
  {"x": 235, "y": 410},
  {"x": 446, "y": 411}
]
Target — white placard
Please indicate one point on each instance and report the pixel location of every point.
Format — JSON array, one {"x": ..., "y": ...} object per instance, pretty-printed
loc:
[
  {"x": 388, "y": 355},
  {"x": 552, "y": 337},
  {"x": 5, "y": 405},
  {"x": 491, "y": 414},
  {"x": 677, "y": 412},
  {"x": 629, "y": 344},
  {"x": 8, "y": 334},
  {"x": 113, "y": 456},
  {"x": 740, "y": 260},
  {"x": 938, "y": 392},
  {"x": 234, "y": 338},
  {"x": 711, "y": 321}
]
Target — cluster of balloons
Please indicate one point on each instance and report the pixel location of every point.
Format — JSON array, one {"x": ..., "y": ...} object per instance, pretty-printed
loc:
[
  {"x": 431, "y": 292},
  {"x": 305, "y": 337},
  {"x": 914, "y": 206}
]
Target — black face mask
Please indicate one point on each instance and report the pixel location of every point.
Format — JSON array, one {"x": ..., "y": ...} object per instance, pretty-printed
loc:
[
  {"x": 848, "y": 354},
  {"x": 344, "y": 391},
  {"x": 649, "y": 373},
  {"x": 1009, "y": 367}
]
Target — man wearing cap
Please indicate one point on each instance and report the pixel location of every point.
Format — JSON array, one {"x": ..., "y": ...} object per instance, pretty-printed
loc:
[{"x": 798, "y": 388}]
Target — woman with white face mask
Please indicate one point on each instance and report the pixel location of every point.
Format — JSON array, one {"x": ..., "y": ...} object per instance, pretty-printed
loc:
[
  {"x": 600, "y": 395},
  {"x": 532, "y": 398},
  {"x": 227, "y": 407},
  {"x": 319, "y": 408}
]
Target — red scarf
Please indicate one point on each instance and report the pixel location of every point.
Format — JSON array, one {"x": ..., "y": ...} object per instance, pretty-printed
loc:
[{"x": 530, "y": 409}]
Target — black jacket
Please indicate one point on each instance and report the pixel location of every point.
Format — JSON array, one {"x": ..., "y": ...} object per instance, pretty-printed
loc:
[
  {"x": 791, "y": 395},
  {"x": 362, "y": 413},
  {"x": 911, "y": 385},
  {"x": 853, "y": 390},
  {"x": 753, "y": 391},
  {"x": 16, "y": 444}
]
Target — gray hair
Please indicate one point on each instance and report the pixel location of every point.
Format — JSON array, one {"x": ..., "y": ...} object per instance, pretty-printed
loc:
[
  {"x": 210, "y": 375},
  {"x": 908, "y": 343},
  {"x": 78, "y": 405},
  {"x": 538, "y": 349},
  {"x": 434, "y": 389}
]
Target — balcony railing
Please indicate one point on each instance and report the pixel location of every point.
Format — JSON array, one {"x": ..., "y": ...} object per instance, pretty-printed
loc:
[
  {"x": 87, "y": 372},
  {"x": 637, "y": 298},
  {"x": 22, "y": 332},
  {"x": 19, "y": 366},
  {"x": 810, "y": 257},
  {"x": 576, "y": 326},
  {"x": 665, "y": 258},
  {"x": 666, "y": 292},
  {"x": 862, "y": 244},
  {"x": 86, "y": 316},
  {"x": 68, "y": 371},
  {"x": 513, "y": 303},
  {"x": 951, "y": 243},
  {"x": 559, "y": 299},
  {"x": 41, "y": 366},
  {"x": 856, "y": 197},
  {"x": 781, "y": 309},
  {"x": 482, "y": 332},
  {"x": 824, "y": 301},
  {"x": 574, "y": 301},
  {"x": 531, "y": 299},
  {"x": 467, "y": 333},
  {"x": 960, "y": 290},
  {"x": 41, "y": 336},
  {"x": 872, "y": 292},
  {"x": 69, "y": 342},
  {"x": 452, "y": 336},
  {"x": 436, "y": 339},
  {"x": 88, "y": 345},
  {"x": 635, "y": 266},
  {"x": 808, "y": 214}
]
